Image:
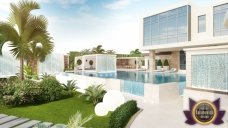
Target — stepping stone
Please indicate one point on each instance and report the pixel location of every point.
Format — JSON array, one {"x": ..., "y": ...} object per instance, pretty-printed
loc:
[
  {"x": 7, "y": 119},
  {"x": 59, "y": 126},
  {"x": 48, "y": 124},
  {"x": 13, "y": 123},
  {"x": 28, "y": 124},
  {"x": 2, "y": 115}
]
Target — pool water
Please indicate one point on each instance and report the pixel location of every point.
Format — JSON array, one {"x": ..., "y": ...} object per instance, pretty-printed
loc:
[
  {"x": 133, "y": 81},
  {"x": 140, "y": 76}
]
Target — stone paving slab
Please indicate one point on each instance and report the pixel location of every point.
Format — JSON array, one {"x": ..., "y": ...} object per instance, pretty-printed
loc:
[
  {"x": 14, "y": 123},
  {"x": 2, "y": 115},
  {"x": 7, "y": 119},
  {"x": 28, "y": 124}
]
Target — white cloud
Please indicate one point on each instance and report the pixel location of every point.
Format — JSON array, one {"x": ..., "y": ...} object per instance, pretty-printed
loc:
[{"x": 119, "y": 4}]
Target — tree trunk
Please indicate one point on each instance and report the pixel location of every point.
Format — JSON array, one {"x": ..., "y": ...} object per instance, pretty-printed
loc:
[
  {"x": 22, "y": 68},
  {"x": 32, "y": 63}
]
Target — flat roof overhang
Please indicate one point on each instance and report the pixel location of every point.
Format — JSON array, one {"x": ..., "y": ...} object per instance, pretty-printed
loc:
[{"x": 216, "y": 41}]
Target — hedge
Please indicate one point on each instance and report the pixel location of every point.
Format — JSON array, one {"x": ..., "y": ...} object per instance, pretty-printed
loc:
[{"x": 120, "y": 117}]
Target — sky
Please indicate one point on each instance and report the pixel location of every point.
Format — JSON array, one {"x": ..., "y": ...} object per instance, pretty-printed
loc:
[{"x": 82, "y": 24}]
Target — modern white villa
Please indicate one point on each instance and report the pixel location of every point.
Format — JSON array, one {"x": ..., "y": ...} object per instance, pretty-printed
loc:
[{"x": 194, "y": 39}]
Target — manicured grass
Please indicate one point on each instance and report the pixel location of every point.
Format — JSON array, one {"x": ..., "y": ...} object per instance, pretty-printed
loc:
[{"x": 58, "y": 111}]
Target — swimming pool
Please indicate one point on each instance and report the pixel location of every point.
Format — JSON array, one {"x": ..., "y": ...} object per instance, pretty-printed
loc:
[
  {"x": 153, "y": 87},
  {"x": 140, "y": 76}
]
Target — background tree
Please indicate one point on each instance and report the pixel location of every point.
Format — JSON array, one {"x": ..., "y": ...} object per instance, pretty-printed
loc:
[
  {"x": 85, "y": 52},
  {"x": 98, "y": 50},
  {"x": 24, "y": 30},
  {"x": 110, "y": 52},
  {"x": 72, "y": 56},
  {"x": 136, "y": 53}
]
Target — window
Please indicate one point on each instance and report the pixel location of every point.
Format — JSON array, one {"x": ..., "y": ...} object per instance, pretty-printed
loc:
[
  {"x": 168, "y": 27},
  {"x": 202, "y": 23},
  {"x": 182, "y": 60},
  {"x": 219, "y": 14}
]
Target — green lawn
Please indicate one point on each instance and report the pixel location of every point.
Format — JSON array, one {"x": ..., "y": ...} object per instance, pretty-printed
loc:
[{"x": 58, "y": 111}]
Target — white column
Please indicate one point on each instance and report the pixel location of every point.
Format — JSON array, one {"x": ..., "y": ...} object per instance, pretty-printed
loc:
[
  {"x": 226, "y": 19},
  {"x": 152, "y": 60}
]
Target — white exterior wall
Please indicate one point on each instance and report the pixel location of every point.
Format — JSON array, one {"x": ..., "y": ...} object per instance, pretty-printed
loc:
[{"x": 197, "y": 39}]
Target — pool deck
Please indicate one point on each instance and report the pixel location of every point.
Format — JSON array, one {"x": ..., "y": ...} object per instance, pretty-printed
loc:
[{"x": 166, "y": 115}]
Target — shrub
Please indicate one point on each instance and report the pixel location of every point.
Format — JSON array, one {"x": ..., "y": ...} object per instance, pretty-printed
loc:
[
  {"x": 166, "y": 63},
  {"x": 21, "y": 93},
  {"x": 51, "y": 89},
  {"x": 94, "y": 93},
  {"x": 13, "y": 79},
  {"x": 31, "y": 92},
  {"x": 120, "y": 117},
  {"x": 159, "y": 63}
]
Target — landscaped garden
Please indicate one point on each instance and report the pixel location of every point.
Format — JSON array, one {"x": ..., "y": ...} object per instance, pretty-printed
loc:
[
  {"x": 49, "y": 101},
  {"x": 44, "y": 98},
  {"x": 59, "y": 111}
]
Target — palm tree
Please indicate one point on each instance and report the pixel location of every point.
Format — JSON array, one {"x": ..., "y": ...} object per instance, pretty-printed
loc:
[
  {"x": 23, "y": 31},
  {"x": 98, "y": 50},
  {"x": 110, "y": 52},
  {"x": 136, "y": 53}
]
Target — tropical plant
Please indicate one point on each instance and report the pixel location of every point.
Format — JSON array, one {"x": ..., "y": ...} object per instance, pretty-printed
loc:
[
  {"x": 77, "y": 121},
  {"x": 166, "y": 63},
  {"x": 136, "y": 53},
  {"x": 98, "y": 50},
  {"x": 70, "y": 86},
  {"x": 159, "y": 62},
  {"x": 28, "y": 72},
  {"x": 94, "y": 93},
  {"x": 45, "y": 75},
  {"x": 24, "y": 31},
  {"x": 110, "y": 52}
]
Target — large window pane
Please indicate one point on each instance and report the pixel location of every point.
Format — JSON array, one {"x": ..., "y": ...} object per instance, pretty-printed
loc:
[
  {"x": 202, "y": 23},
  {"x": 182, "y": 24},
  {"x": 167, "y": 27},
  {"x": 219, "y": 14},
  {"x": 146, "y": 32}
]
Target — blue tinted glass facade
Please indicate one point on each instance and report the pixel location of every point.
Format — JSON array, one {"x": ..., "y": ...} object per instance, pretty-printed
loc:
[
  {"x": 169, "y": 27},
  {"x": 219, "y": 14}
]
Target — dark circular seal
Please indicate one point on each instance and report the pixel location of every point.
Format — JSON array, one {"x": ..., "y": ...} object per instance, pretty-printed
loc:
[{"x": 204, "y": 112}]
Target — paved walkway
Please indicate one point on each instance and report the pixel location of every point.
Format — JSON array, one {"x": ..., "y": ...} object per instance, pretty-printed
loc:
[
  {"x": 16, "y": 122},
  {"x": 166, "y": 115}
]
